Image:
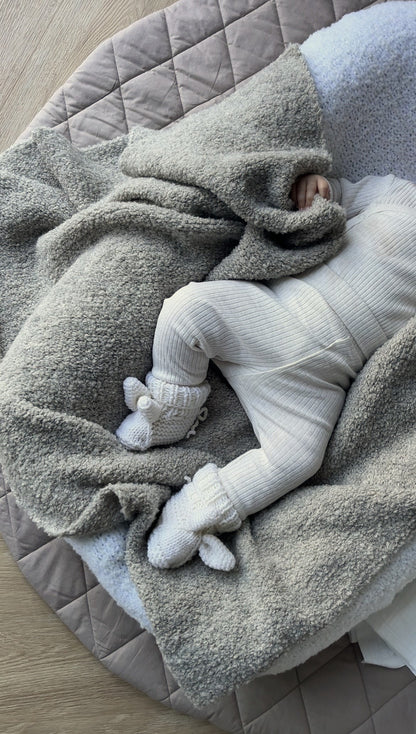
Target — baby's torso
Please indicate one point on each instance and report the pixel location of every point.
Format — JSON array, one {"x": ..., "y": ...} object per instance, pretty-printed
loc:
[{"x": 371, "y": 283}]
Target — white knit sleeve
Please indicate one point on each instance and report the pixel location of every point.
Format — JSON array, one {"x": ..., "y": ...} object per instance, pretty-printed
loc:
[
  {"x": 401, "y": 193},
  {"x": 355, "y": 197},
  {"x": 335, "y": 189}
]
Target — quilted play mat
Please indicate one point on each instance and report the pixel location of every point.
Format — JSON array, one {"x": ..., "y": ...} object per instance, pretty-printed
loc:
[{"x": 167, "y": 68}]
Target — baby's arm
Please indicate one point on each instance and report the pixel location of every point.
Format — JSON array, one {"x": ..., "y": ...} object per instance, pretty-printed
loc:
[{"x": 356, "y": 197}]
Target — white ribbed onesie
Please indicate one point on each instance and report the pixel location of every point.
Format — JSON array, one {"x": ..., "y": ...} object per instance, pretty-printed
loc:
[{"x": 291, "y": 348}]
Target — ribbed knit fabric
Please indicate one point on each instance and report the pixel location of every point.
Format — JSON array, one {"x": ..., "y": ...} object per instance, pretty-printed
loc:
[
  {"x": 291, "y": 348},
  {"x": 373, "y": 279}
]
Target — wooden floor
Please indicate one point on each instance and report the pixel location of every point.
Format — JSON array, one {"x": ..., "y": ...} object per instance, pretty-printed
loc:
[{"x": 50, "y": 683}]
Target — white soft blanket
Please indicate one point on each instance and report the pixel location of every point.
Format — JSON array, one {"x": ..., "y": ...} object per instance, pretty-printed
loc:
[{"x": 366, "y": 136}]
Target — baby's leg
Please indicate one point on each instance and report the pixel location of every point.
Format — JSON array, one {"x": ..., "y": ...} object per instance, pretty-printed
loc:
[
  {"x": 293, "y": 411},
  {"x": 197, "y": 323},
  {"x": 292, "y": 384}
]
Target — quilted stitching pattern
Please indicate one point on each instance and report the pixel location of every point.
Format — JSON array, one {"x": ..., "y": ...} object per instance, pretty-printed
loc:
[
  {"x": 161, "y": 68},
  {"x": 152, "y": 73}
]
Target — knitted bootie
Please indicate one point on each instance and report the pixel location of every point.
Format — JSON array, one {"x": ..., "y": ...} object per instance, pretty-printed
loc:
[
  {"x": 162, "y": 414},
  {"x": 188, "y": 521}
]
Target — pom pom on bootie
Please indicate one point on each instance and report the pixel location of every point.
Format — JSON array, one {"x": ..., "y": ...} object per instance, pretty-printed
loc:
[
  {"x": 163, "y": 412},
  {"x": 188, "y": 521}
]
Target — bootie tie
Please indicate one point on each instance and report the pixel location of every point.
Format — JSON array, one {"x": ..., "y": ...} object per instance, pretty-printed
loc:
[{"x": 162, "y": 413}]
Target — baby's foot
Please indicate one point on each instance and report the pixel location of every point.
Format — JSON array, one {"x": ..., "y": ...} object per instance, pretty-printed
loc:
[{"x": 163, "y": 412}]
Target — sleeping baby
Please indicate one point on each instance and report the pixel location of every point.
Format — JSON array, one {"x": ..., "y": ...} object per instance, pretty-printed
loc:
[{"x": 289, "y": 348}]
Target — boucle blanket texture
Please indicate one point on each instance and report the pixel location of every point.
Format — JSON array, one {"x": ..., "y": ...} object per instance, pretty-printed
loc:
[
  {"x": 93, "y": 241},
  {"x": 368, "y": 120},
  {"x": 88, "y": 258}
]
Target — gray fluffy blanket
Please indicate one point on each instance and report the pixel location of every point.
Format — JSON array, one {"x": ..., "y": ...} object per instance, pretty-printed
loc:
[{"x": 91, "y": 243}]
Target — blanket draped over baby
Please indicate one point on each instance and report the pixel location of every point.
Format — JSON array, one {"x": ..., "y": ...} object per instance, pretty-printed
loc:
[{"x": 92, "y": 242}]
